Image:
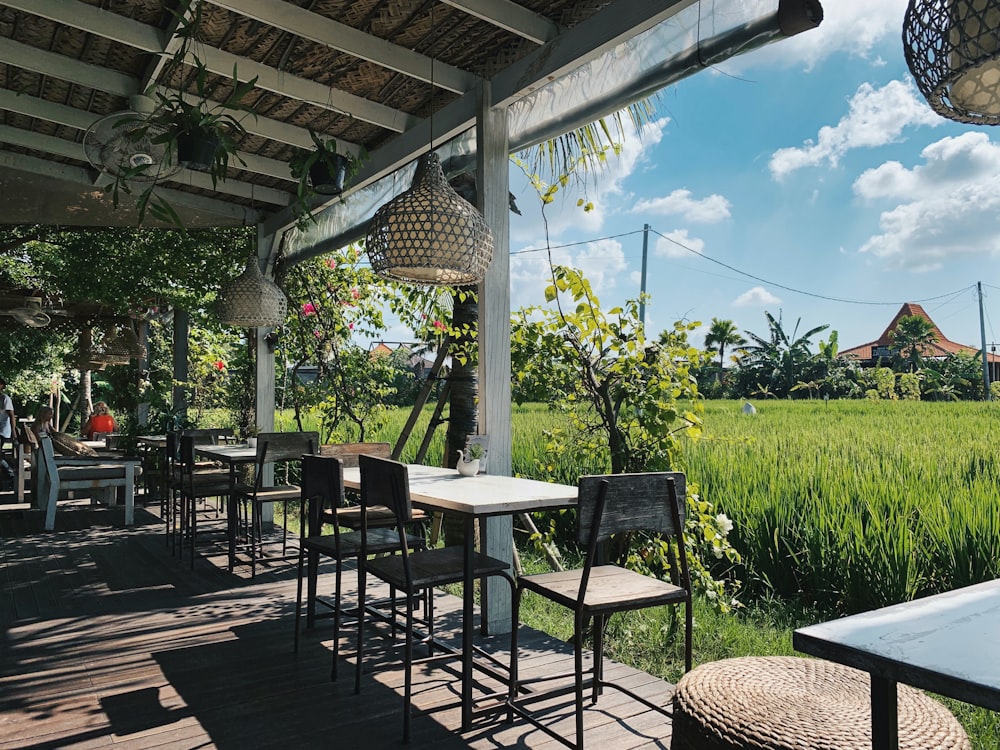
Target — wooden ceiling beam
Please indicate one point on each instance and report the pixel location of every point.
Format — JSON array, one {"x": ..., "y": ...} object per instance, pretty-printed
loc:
[
  {"x": 322, "y": 30},
  {"x": 511, "y": 17}
]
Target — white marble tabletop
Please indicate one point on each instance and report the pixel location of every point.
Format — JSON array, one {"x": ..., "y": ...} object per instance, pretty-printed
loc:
[
  {"x": 948, "y": 643},
  {"x": 482, "y": 495}
]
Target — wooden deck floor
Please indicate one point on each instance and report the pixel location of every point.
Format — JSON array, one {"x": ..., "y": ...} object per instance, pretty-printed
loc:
[{"x": 108, "y": 640}]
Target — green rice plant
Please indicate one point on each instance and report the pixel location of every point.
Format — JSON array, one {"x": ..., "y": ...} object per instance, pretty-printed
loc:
[{"x": 855, "y": 504}]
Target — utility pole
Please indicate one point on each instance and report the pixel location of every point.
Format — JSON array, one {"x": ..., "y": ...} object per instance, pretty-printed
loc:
[
  {"x": 982, "y": 335},
  {"x": 642, "y": 284}
]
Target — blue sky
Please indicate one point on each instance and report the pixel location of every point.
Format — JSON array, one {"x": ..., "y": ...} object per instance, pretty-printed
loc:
[{"x": 814, "y": 165}]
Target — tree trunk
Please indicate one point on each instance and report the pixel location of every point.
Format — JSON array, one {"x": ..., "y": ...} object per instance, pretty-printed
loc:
[{"x": 463, "y": 419}]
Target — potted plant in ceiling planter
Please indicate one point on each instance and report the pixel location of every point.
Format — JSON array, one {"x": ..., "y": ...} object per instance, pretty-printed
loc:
[
  {"x": 322, "y": 171},
  {"x": 199, "y": 131}
]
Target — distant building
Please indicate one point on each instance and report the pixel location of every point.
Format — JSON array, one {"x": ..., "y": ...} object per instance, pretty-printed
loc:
[{"x": 882, "y": 348}]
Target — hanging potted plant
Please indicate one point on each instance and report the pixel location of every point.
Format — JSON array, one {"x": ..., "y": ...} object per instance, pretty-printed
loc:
[
  {"x": 200, "y": 132},
  {"x": 322, "y": 171}
]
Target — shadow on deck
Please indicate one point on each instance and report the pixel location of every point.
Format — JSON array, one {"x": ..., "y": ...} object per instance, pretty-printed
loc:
[{"x": 109, "y": 640}]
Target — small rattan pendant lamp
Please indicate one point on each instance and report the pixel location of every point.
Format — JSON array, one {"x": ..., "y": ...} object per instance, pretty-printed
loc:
[
  {"x": 430, "y": 234},
  {"x": 952, "y": 48},
  {"x": 251, "y": 301}
]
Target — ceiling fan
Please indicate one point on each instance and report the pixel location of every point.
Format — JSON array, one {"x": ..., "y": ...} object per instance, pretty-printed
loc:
[
  {"x": 30, "y": 314},
  {"x": 124, "y": 145}
]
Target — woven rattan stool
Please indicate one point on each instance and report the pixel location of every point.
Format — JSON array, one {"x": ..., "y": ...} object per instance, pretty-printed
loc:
[{"x": 790, "y": 703}]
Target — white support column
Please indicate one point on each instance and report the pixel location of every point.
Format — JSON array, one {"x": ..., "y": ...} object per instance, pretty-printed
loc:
[
  {"x": 494, "y": 338},
  {"x": 265, "y": 366}
]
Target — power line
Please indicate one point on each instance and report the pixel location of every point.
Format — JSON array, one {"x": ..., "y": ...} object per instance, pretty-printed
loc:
[
  {"x": 800, "y": 291},
  {"x": 574, "y": 244}
]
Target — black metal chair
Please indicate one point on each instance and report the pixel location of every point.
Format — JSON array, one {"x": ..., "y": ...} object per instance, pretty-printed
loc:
[
  {"x": 272, "y": 448},
  {"x": 413, "y": 573},
  {"x": 608, "y": 505},
  {"x": 322, "y": 497},
  {"x": 196, "y": 482},
  {"x": 349, "y": 514}
]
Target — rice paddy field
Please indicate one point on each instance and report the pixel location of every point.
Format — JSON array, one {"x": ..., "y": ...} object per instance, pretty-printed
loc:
[{"x": 856, "y": 504}]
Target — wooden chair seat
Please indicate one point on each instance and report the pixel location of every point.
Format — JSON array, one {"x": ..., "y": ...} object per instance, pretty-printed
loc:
[
  {"x": 379, "y": 516},
  {"x": 610, "y": 589},
  {"x": 432, "y": 568}
]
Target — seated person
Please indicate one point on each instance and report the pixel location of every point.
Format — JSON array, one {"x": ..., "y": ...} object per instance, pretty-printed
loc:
[
  {"x": 41, "y": 426},
  {"x": 100, "y": 421}
]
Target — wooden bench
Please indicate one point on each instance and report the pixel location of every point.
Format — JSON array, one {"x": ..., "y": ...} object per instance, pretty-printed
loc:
[{"x": 102, "y": 476}]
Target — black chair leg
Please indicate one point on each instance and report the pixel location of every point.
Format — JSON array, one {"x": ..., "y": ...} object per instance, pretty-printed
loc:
[
  {"x": 298, "y": 599},
  {"x": 578, "y": 677},
  {"x": 359, "y": 661}
]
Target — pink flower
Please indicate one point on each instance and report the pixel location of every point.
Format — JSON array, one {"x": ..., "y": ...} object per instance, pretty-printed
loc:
[
  {"x": 308, "y": 309},
  {"x": 220, "y": 365},
  {"x": 439, "y": 325},
  {"x": 355, "y": 294},
  {"x": 331, "y": 263},
  {"x": 350, "y": 326},
  {"x": 318, "y": 334}
]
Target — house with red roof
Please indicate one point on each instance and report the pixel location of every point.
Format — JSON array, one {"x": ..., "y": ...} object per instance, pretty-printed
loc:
[{"x": 882, "y": 348}]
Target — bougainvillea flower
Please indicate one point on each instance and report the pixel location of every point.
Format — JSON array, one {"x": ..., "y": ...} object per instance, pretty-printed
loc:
[
  {"x": 331, "y": 263},
  {"x": 308, "y": 308},
  {"x": 439, "y": 325},
  {"x": 220, "y": 365}
]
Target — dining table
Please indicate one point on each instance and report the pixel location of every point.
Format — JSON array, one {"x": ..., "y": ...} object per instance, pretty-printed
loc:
[
  {"x": 233, "y": 456},
  {"x": 474, "y": 499},
  {"x": 947, "y": 643}
]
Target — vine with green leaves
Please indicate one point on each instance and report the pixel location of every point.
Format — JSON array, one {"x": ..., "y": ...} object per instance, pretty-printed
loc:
[{"x": 631, "y": 401}]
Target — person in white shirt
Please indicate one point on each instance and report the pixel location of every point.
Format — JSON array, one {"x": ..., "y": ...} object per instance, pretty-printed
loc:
[{"x": 7, "y": 422}]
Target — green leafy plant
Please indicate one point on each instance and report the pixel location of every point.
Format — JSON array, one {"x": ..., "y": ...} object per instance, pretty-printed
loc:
[
  {"x": 323, "y": 162},
  {"x": 474, "y": 452},
  {"x": 182, "y": 118}
]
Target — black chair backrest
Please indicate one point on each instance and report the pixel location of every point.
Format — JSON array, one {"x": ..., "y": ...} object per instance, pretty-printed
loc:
[
  {"x": 387, "y": 483},
  {"x": 349, "y": 452},
  {"x": 617, "y": 503},
  {"x": 633, "y": 502},
  {"x": 285, "y": 446},
  {"x": 322, "y": 489},
  {"x": 209, "y": 436}
]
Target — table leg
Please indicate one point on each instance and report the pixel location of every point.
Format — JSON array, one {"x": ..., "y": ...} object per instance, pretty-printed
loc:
[
  {"x": 468, "y": 622},
  {"x": 231, "y": 517},
  {"x": 885, "y": 721}
]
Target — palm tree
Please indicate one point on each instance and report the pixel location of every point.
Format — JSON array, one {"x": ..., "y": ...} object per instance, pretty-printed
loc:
[
  {"x": 722, "y": 333},
  {"x": 913, "y": 335},
  {"x": 779, "y": 359}
]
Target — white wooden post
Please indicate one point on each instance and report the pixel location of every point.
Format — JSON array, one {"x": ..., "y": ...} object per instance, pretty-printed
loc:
[{"x": 494, "y": 340}]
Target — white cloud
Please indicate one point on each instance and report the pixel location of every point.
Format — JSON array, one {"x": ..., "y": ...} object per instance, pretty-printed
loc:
[
  {"x": 600, "y": 261},
  {"x": 708, "y": 210},
  {"x": 677, "y": 244},
  {"x": 948, "y": 206},
  {"x": 875, "y": 117},
  {"x": 756, "y": 297},
  {"x": 855, "y": 27}
]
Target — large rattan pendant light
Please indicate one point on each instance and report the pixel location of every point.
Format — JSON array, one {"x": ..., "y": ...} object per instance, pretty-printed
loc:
[
  {"x": 430, "y": 234},
  {"x": 952, "y": 48},
  {"x": 251, "y": 301}
]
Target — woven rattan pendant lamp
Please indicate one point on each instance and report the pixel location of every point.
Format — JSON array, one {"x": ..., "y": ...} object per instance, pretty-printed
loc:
[
  {"x": 251, "y": 301},
  {"x": 952, "y": 48},
  {"x": 430, "y": 234}
]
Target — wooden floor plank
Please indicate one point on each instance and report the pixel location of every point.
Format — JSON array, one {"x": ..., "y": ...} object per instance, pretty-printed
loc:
[{"x": 109, "y": 641}]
